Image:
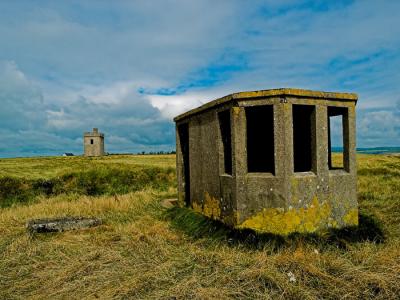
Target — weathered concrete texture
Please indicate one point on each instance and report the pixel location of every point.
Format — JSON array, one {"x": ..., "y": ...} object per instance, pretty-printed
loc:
[
  {"x": 61, "y": 224},
  {"x": 297, "y": 189},
  {"x": 93, "y": 143}
]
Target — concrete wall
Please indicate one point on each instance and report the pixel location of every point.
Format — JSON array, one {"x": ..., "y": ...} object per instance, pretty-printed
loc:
[
  {"x": 211, "y": 191},
  {"x": 304, "y": 201},
  {"x": 279, "y": 202}
]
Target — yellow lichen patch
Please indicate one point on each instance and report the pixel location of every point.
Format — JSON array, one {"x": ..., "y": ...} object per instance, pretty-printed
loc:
[
  {"x": 279, "y": 221},
  {"x": 286, "y": 107},
  {"x": 236, "y": 111},
  {"x": 211, "y": 207},
  {"x": 351, "y": 218},
  {"x": 197, "y": 207},
  {"x": 294, "y": 186}
]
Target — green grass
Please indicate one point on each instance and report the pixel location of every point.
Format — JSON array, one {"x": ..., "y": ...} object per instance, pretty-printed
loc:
[
  {"x": 144, "y": 251},
  {"x": 84, "y": 176},
  {"x": 49, "y": 167}
]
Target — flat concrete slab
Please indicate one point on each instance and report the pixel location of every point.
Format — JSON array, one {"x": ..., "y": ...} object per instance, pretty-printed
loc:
[{"x": 61, "y": 224}]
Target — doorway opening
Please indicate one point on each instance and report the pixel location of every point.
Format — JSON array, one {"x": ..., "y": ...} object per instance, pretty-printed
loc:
[{"x": 183, "y": 132}]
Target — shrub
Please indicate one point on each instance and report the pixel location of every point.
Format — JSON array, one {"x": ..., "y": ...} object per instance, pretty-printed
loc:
[{"x": 14, "y": 190}]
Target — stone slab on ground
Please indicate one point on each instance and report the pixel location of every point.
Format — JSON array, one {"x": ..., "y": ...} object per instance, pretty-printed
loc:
[{"x": 61, "y": 224}]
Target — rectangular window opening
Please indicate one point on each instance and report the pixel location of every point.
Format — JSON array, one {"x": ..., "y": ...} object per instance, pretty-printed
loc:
[
  {"x": 260, "y": 139},
  {"x": 183, "y": 132},
  {"x": 303, "y": 137},
  {"x": 336, "y": 142},
  {"x": 224, "y": 118},
  {"x": 91, "y": 141}
]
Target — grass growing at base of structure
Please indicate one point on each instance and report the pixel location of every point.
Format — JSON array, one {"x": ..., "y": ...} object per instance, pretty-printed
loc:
[{"x": 144, "y": 251}]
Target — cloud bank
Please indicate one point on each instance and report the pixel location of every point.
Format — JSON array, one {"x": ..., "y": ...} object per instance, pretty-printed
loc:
[{"x": 129, "y": 67}]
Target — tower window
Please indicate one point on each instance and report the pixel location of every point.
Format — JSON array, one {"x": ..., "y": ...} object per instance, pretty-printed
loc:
[{"x": 91, "y": 141}]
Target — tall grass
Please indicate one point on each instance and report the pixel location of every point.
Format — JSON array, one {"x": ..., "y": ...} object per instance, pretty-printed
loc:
[
  {"x": 95, "y": 181},
  {"x": 144, "y": 251}
]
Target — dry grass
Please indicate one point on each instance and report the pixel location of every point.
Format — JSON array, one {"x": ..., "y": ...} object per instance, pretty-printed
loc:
[{"x": 146, "y": 252}]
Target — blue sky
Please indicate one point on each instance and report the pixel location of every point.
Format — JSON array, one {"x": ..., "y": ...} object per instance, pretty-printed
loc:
[{"x": 128, "y": 67}]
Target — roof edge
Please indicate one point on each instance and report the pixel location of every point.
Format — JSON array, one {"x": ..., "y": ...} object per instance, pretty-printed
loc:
[{"x": 270, "y": 93}]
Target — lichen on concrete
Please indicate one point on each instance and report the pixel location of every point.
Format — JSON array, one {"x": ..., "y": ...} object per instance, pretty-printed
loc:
[
  {"x": 281, "y": 221},
  {"x": 351, "y": 218},
  {"x": 211, "y": 207}
]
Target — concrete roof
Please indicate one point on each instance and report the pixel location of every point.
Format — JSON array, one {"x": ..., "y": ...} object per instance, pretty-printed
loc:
[{"x": 270, "y": 93}]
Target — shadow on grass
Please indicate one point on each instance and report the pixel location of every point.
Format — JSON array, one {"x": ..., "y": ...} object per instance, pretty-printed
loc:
[{"x": 197, "y": 226}]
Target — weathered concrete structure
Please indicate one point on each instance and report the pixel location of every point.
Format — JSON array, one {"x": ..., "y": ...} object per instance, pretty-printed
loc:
[
  {"x": 93, "y": 143},
  {"x": 262, "y": 160}
]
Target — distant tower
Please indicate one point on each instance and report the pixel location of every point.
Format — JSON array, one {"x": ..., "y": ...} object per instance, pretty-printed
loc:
[{"x": 93, "y": 143}]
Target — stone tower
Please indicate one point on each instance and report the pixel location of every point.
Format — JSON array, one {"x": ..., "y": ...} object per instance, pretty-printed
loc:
[{"x": 93, "y": 143}]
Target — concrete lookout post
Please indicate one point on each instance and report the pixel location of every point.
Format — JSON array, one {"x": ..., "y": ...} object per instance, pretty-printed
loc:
[{"x": 263, "y": 160}]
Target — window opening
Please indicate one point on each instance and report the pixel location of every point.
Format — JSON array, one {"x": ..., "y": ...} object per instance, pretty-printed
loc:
[
  {"x": 336, "y": 144},
  {"x": 260, "y": 139},
  {"x": 224, "y": 118},
  {"x": 303, "y": 137},
  {"x": 91, "y": 141}
]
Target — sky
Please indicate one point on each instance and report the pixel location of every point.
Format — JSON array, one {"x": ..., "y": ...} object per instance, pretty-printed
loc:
[{"x": 129, "y": 67}]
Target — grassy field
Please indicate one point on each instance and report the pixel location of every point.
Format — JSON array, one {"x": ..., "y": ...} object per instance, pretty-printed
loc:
[
  {"x": 48, "y": 167},
  {"x": 144, "y": 251}
]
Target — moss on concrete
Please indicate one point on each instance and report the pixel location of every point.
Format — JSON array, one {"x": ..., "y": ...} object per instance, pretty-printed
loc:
[{"x": 351, "y": 218}]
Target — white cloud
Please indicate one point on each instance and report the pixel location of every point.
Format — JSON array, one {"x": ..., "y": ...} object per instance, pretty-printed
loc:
[
  {"x": 173, "y": 105},
  {"x": 379, "y": 127}
]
